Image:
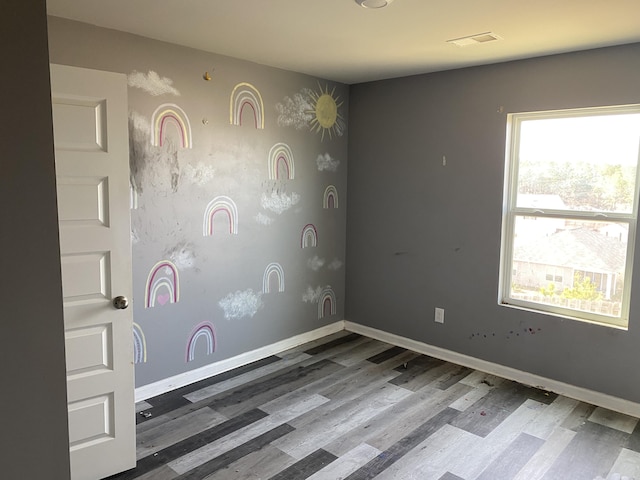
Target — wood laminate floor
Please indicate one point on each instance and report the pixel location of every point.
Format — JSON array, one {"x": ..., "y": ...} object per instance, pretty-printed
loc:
[{"x": 348, "y": 407}]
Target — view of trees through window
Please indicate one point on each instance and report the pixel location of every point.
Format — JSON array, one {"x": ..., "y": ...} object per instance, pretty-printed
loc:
[{"x": 571, "y": 211}]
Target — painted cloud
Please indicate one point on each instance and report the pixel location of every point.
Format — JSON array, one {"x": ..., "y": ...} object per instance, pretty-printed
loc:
[
  {"x": 279, "y": 202},
  {"x": 152, "y": 83},
  {"x": 263, "y": 219},
  {"x": 297, "y": 111},
  {"x": 312, "y": 295},
  {"x": 241, "y": 304},
  {"x": 315, "y": 263},
  {"x": 327, "y": 162},
  {"x": 335, "y": 264}
]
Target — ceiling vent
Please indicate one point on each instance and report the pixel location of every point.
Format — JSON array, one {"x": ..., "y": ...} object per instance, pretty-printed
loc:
[
  {"x": 373, "y": 3},
  {"x": 475, "y": 39}
]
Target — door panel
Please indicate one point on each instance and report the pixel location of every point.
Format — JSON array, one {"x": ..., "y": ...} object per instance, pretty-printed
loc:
[{"x": 92, "y": 171}]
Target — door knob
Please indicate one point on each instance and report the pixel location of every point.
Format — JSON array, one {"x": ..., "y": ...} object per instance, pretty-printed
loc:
[{"x": 120, "y": 302}]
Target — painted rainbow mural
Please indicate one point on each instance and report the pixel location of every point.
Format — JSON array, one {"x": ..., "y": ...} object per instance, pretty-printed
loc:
[
  {"x": 170, "y": 114},
  {"x": 281, "y": 153},
  {"x": 163, "y": 285},
  {"x": 204, "y": 330},
  {"x": 226, "y": 206},
  {"x": 139, "y": 345},
  {"x": 327, "y": 303},
  {"x": 330, "y": 199},
  {"x": 245, "y": 95},
  {"x": 273, "y": 269},
  {"x": 309, "y": 237}
]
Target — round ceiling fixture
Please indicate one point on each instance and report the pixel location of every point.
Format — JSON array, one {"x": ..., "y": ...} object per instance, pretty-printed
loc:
[{"x": 373, "y": 3}]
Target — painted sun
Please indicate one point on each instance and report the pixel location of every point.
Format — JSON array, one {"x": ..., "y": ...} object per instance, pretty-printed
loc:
[{"x": 326, "y": 118}]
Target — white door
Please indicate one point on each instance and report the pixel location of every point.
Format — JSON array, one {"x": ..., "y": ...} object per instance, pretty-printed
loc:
[{"x": 92, "y": 171}]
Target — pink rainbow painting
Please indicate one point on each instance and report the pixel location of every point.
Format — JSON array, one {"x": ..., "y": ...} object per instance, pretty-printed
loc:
[
  {"x": 245, "y": 96},
  {"x": 273, "y": 269},
  {"x": 223, "y": 205},
  {"x": 139, "y": 345},
  {"x": 309, "y": 237},
  {"x": 281, "y": 154},
  {"x": 163, "y": 285},
  {"x": 204, "y": 330},
  {"x": 326, "y": 303},
  {"x": 330, "y": 198},
  {"x": 166, "y": 116}
]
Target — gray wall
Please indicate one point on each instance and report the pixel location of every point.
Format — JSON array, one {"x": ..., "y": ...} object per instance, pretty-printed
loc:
[
  {"x": 33, "y": 438},
  {"x": 421, "y": 235},
  {"x": 221, "y": 276}
]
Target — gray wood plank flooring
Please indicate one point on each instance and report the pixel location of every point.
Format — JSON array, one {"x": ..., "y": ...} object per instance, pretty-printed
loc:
[{"x": 352, "y": 408}]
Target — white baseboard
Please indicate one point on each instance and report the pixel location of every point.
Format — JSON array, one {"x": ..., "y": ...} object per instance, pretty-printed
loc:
[
  {"x": 526, "y": 378},
  {"x": 578, "y": 393},
  {"x": 177, "y": 381}
]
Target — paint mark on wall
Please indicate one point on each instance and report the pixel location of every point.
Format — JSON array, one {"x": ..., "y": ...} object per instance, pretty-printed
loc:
[
  {"x": 227, "y": 208},
  {"x": 273, "y": 270},
  {"x": 327, "y": 163},
  {"x": 309, "y": 236},
  {"x": 246, "y": 100},
  {"x": 149, "y": 165},
  {"x": 279, "y": 202},
  {"x": 200, "y": 174},
  {"x": 315, "y": 263},
  {"x": 133, "y": 195},
  {"x": 507, "y": 335},
  {"x": 326, "y": 303},
  {"x": 241, "y": 304},
  {"x": 202, "y": 333},
  {"x": 139, "y": 345},
  {"x": 281, "y": 161},
  {"x": 330, "y": 197},
  {"x": 163, "y": 285},
  {"x": 152, "y": 83},
  {"x": 169, "y": 118},
  {"x": 182, "y": 255}
]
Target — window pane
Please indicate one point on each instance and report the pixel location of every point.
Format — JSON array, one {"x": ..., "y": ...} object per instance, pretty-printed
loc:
[
  {"x": 585, "y": 163},
  {"x": 587, "y": 259}
]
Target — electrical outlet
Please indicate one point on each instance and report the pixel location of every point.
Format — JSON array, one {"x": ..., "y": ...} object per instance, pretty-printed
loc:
[{"x": 439, "y": 318}]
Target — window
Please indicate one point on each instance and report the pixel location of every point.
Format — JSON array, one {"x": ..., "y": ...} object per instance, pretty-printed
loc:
[{"x": 571, "y": 205}]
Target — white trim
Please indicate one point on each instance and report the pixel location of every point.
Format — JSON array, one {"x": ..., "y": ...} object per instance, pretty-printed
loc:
[
  {"x": 182, "y": 379},
  {"x": 572, "y": 391}
]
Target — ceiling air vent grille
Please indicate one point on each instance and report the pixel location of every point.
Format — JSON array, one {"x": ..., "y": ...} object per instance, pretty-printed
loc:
[{"x": 475, "y": 39}]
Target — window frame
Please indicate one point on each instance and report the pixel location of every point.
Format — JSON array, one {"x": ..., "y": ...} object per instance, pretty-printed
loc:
[{"x": 511, "y": 211}]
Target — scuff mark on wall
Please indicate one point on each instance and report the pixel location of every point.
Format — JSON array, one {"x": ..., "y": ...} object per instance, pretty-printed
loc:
[
  {"x": 182, "y": 255},
  {"x": 200, "y": 174},
  {"x": 150, "y": 165}
]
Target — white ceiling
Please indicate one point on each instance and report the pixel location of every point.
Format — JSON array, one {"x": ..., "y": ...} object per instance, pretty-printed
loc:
[{"x": 338, "y": 40}]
